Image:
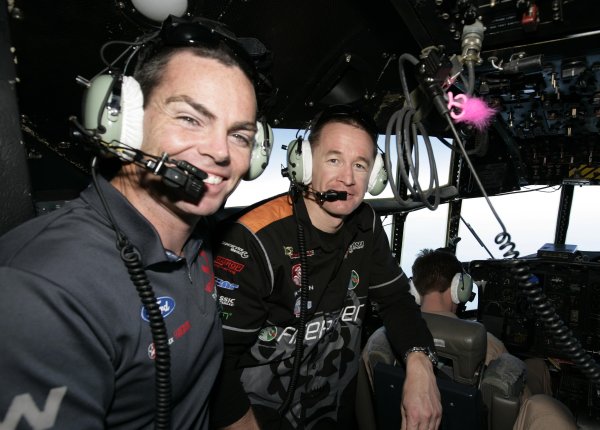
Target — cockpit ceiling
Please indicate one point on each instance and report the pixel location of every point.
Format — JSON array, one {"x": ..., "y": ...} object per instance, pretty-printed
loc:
[{"x": 325, "y": 52}]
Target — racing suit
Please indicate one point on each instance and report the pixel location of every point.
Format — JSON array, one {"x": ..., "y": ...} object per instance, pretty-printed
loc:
[{"x": 258, "y": 278}]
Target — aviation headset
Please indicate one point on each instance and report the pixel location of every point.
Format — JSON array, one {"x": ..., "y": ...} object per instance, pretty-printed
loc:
[
  {"x": 299, "y": 156},
  {"x": 461, "y": 288},
  {"x": 114, "y": 104}
]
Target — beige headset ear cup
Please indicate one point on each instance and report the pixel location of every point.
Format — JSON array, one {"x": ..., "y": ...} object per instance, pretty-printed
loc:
[
  {"x": 378, "y": 177},
  {"x": 299, "y": 161},
  {"x": 461, "y": 288},
  {"x": 414, "y": 292},
  {"x": 124, "y": 124},
  {"x": 261, "y": 150},
  {"x": 95, "y": 112}
]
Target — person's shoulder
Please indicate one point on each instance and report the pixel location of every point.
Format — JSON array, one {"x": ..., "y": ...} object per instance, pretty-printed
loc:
[
  {"x": 266, "y": 212},
  {"x": 21, "y": 236},
  {"x": 47, "y": 239},
  {"x": 366, "y": 217}
]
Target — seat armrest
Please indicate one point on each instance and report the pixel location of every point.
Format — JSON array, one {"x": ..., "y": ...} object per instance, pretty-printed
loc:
[{"x": 501, "y": 388}]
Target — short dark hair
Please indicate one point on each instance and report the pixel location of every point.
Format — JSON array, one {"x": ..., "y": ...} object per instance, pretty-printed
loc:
[
  {"x": 433, "y": 270},
  {"x": 149, "y": 73},
  {"x": 344, "y": 114}
]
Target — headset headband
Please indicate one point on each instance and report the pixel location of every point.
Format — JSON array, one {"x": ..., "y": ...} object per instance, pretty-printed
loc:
[
  {"x": 204, "y": 32},
  {"x": 197, "y": 31}
]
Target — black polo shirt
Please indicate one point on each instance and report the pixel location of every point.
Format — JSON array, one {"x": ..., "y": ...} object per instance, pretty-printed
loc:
[{"x": 77, "y": 340}]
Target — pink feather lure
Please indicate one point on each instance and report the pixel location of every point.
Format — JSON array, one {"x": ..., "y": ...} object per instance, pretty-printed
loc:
[{"x": 470, "y": 110}]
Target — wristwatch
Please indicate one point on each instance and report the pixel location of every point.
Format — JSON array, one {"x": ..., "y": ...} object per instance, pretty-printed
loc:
[{"x": 425, "y": 350}]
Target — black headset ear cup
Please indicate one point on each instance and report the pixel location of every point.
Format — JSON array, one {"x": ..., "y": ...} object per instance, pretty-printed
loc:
[
  {"x": 114, "y": 107},
  {"x": 261, "y": 150},
  {"x": 461, "y": 288},
  {"x": 378, "y": 178},
  {"x": 299, "y": 161}
]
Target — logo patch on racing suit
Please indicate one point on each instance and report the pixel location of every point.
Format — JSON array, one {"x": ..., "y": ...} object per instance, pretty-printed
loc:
[
  {"x": 228, "y": 265},
  {"x": 267, "y": 334},
  {"x": 226, "y": 285},
  {"x": 236, "y": 249},
  {"x": 297, "y": 306},
  {"x": 354, "y": 280},
  {"x": 289, "y": 251}
]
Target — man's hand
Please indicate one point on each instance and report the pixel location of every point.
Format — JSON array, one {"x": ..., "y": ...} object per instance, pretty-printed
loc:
[
  {"x": 247, "y": 422},
  {"x": 421, "y": 405}
]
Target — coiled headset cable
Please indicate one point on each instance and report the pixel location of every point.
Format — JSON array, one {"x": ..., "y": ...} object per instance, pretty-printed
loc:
[
  {"x": 406, "y": 127},
  {"x": 132, "y": 259},
  {"x": 295, "y": 193},
  {"x": 563, "y": 336}
]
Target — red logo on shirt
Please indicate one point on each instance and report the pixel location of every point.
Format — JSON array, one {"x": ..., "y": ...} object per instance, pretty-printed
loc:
[
  {"x": 228, "y": 265},
  {"x": 177, "y": 334},
  {"x": 207, "y": 268},
  {"x": 297, "y": 274}
]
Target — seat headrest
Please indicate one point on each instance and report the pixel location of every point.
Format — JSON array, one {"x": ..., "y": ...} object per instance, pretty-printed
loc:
[{"x": 463, "y": 342}]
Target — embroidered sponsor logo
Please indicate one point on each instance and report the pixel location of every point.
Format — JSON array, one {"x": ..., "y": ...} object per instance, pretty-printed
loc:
[
  {"x": 236, "y": 249},
  {"x": 165, "y": 304},
  {"x": 289, "y": 251},
  {"x": 315, "y": 330},
  {"x": 298, "y": 291},
  {"x": 297, "y": 306},
  {"x": 226, "y": 301},
  {"x": 355, "y": 246},
  {"x": 225, "y": 315},
  {"x": 23, "y": 406},
  {"x": 267, "y": 334},
  {"x": 228, "y": 265},
  {"x": 226, "y": 285},
  {"x": 354, "y": 280},
  {"x": 177, "y": 334},
  {"x": 297, "y": 274}
]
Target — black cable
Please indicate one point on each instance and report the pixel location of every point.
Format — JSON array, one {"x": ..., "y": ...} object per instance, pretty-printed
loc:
[
  {"x": 470, "y": 77},
  {"x": 406, "y": 130},
  {"x": 476, "y": 236},
  {"x": 143, "y": 39},
  {"x": 562, "y": 336},
  {"x": 162, "y": 360},
  {"x": 299, "y": 349}
]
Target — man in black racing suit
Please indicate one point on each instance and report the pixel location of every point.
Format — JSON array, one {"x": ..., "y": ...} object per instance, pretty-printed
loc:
[{"x": 341, "y": 244}]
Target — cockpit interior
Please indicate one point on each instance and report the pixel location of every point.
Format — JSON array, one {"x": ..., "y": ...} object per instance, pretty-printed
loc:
[{"x": 534, "y": 65}]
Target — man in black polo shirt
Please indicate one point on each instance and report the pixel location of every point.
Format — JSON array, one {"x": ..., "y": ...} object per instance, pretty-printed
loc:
[{"x": 78, "y": 350}]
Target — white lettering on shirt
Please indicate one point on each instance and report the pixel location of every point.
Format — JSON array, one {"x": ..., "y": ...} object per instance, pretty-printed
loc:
[
  {"x": 316, "y": 329},
  {"x": 24, "y": 406}
]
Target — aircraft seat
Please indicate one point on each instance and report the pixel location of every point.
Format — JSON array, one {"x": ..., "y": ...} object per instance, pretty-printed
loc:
[
  {"x": 471, "y": 398},
  {"x": 460, "y": 343}
]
